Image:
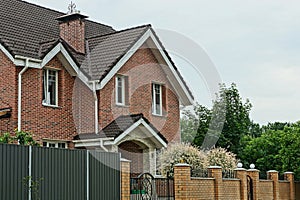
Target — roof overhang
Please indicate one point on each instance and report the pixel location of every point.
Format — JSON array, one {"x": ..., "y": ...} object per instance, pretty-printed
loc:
[
  {"x": 177, "y": 83},
  {"x": 6, "y": 52},
  {"x": 63, "y": 55},
  {"x": 140, "y": 131}
]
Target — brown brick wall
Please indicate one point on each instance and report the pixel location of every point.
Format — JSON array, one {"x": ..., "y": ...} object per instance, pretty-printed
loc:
[
  {"x": 284, "y": 188},
  {"x": 125, "y": 180},
  {"x": 224, "y": 189},
  {"x": 231, "y": 189},
  {"x": 265, "y": 190},
  {"x": 8, "y": 92},
  {"x": 73, "y": 32},
  {"x": 49, "y": 122},
  {"x": 142, "y": 69}
]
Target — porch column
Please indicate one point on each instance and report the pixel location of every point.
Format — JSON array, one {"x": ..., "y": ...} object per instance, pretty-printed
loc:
[{"x": 152, "y": 156}]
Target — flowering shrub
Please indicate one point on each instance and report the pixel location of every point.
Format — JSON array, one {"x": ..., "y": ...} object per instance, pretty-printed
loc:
[
  {"x": 178, "y": 153},
  {"x": 221, "y": 157}
]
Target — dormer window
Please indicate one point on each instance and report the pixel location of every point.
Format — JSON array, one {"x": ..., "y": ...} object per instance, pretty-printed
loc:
[
  {"x": 121, "y": 90},
  {"x": 50, "y": 87}
]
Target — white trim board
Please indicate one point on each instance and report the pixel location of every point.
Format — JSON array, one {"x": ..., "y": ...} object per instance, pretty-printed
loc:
[{"x": 5, "y": 51}]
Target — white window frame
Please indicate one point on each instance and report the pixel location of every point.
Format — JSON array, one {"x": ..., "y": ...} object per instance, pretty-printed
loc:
[
  {"x": 154, "y": 99},
  {"x": 122, "y": 78},
  {"x": 56, "y": 143},
  {"x": 46, "y": 86}
]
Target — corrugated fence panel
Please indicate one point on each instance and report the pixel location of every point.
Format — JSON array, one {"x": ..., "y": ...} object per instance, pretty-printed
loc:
[
  {"x": 61, "y": 173},
  {"x": 104, "y": 178},
  {"x": 13, "y": 170}
]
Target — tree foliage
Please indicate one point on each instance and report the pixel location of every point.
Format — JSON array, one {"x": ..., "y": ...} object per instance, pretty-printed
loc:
[
  {"x": 276, "y": 149},
  {"x": 224, "y": 125}
]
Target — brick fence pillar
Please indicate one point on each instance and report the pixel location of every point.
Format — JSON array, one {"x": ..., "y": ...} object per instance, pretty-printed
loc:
[
  {"x": 125, "y": 179},
  {"x": 216, "y": 172},
  {"x": 289, "y": 176},
  {"x": 273, "y": 175},
  {"x": 182, "y": 175},
  {"x": 254, "y": 175},
  {"x": 241, "y": 174}
]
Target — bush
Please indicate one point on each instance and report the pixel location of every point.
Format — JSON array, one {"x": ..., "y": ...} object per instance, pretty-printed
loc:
[
  {"x": 198, "y": 159},
  {"x": 178, "y": 153},
  {"x": 222, "y": 157}
]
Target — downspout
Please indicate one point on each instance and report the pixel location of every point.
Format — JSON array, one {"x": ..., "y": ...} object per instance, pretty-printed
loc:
[
  {"x": 20, "y": 93},
  {"x": 96, "y": 107}
]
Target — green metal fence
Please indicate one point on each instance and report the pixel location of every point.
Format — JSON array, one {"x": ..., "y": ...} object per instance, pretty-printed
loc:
[{"x": 58, "y": 174}]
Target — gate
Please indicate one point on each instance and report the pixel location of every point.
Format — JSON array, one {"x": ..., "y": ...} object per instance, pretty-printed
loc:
[
  {"x": 249, "y": 188},
  {"x": 146, "y": 187}
]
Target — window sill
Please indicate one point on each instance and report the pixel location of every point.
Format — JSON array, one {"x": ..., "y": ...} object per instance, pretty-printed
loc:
[
  {"x": 50, "y": 106},
  {"x": 122, "y": 106},
  {"x": 156, "y": 115}
]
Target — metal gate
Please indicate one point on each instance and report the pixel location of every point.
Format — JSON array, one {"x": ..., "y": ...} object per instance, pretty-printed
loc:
[
  {"x": 146, "y": 187},
  {"x": 250, "y": 188}
]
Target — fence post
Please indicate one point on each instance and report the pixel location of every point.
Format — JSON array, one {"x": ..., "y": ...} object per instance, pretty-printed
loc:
[
  {"x": 289, "y": 176},
  {"x": 87, "y": 175},
  {"x": 242, "y": 175},
  {"x": 125, "y": 179},
  {"x": 182, "y": 175},
  {"x": 29, "y": 172},
  {"x": 273, "y": 175},
  {"x": 254, "y": 175},
  {"x": 216, "y": 172}
]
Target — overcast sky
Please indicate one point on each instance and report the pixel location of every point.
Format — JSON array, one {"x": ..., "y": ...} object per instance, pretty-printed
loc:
[{"x": 253, "y": 43}]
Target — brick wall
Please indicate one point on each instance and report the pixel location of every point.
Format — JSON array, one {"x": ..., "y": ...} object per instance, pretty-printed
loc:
[
  {"x": 142, "y": 70},
  {"x": 73, "y": 32},
  {"x": 223, "y": 189},
  {"x": 68, "y": 119},
  {"x": 56, "y": 122},
  {"x": 125, "y": 180},
  {"x": 8, "y": 92}
]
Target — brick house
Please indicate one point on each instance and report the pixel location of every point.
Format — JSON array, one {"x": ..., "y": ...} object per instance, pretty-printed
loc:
[{"x": 75, "y": 83}]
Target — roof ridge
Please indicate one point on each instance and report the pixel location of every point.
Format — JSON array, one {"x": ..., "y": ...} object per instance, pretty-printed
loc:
[
  {"x": 120, "y": 31},
  {"x": 59, "y": 12}
]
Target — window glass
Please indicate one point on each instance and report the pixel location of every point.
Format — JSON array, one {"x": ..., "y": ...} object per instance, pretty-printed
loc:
[{"x": 50, "y": 87}]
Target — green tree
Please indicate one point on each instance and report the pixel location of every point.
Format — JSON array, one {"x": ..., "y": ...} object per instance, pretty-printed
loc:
[
  {"x": 275, "y": 149},
  {"x": 226, "y": 123}
]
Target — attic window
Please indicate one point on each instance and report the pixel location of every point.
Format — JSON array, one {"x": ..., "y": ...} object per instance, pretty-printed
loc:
[{"x": 50, "y": 87}]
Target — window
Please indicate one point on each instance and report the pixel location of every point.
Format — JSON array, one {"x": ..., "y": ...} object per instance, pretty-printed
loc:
[
  {"x": 61, "y": 145},
  {"x": 50, "y": 87},
  {"x": 158, "y": 99},
  {"x": 121, "y": 90}
]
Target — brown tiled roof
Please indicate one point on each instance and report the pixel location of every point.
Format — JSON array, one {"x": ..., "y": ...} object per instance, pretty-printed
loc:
[
  {"x": 107, "y": 50},
  {"x": 24, "y": 26},
  {"x": 118, "y": 126},
  {"x": 32, "y": 31}
]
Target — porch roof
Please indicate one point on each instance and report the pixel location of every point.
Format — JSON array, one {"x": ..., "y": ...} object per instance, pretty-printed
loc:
[{"x": 120, "y": 128}]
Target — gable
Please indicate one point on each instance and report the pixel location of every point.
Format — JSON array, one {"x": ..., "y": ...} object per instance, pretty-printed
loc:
[{"x": 171, "y": 72}]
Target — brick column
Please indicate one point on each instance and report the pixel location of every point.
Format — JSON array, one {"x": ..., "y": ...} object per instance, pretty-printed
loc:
[
  {"x": 241, "y": 174},
  {"x": 289, "y": 176},
  {"x": 125, "y": 179},
  {"x": 254, "y": 175},
  {"x": 182, "y": 175},
  {"x": 216, "y": 172},
  {"x": 273, "y": 175}
]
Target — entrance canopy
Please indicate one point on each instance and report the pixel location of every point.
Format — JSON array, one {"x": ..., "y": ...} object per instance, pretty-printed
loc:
[{"x": 124, "y": 128}]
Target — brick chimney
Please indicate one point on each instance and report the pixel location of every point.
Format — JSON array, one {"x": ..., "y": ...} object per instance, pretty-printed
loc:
[{"x": 72, "y": 30}]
